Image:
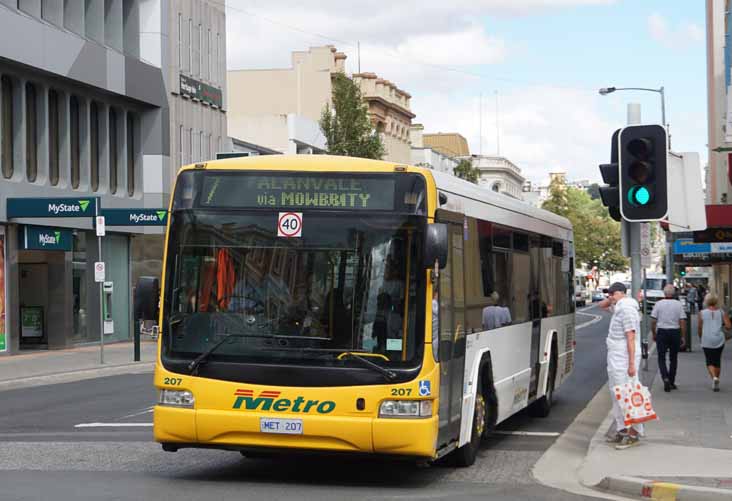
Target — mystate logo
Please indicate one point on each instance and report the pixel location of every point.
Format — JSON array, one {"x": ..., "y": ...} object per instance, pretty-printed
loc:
[
  {"x": 48, "y": 239},
  {"x": 271, "y": 401},
  {"x": 141, "y": 217},
  {"x": 61, "y": 208}
]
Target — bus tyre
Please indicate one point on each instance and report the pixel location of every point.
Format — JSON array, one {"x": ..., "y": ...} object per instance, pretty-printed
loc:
[
  {"x": 465, "y": 455},
  {"x": 543, "y": 406}
]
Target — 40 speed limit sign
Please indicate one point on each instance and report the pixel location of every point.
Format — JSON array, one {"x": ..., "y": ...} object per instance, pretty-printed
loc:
[{"x": 289, "y": 224}]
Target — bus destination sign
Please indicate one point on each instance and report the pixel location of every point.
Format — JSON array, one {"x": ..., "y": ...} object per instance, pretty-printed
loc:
[{"x": 294, "y": 191}]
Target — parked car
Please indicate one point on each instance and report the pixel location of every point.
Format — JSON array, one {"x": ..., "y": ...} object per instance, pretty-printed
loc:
[
  {"x": 580, "y": 296},
  {"x": 598, "y": 295}
]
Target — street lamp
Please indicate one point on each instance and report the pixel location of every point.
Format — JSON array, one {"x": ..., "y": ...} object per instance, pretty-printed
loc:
[{"x": 604, "y": 91}]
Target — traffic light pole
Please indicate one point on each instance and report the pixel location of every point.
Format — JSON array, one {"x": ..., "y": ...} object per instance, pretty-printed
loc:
[{"x": 634, "y": 234}]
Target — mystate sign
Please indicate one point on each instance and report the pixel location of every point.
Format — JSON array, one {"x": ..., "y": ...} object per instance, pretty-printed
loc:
[
  {"x": 48, "y": 239},
  {"x": 51, "y": 207},
  {"x": 135, "y": 217}
]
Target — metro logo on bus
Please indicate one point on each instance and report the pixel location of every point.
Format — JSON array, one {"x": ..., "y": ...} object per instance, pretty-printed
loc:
[{"x": 270, "y": 401}]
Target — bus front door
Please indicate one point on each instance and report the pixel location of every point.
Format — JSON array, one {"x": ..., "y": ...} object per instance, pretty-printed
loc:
[{"x": 452, "y": 339}]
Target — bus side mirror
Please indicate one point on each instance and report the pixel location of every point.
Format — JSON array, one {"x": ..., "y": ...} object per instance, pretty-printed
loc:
[
  {"x": 147, "y": 298},
  {"x": 435, "y": 245}
]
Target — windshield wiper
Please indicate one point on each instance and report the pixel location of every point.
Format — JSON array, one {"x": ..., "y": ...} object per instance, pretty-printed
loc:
[
  {"x": 203, "y": 357},
  {"x": 388, "y": 374}
]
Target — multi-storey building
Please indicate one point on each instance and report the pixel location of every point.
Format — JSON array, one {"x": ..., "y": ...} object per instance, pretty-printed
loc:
[
  {"x": 389, "y": 109},
  {"x": 90, "y": 102},
  {"x": 499, "y": 174},
  {"x": 719, "y": 115},
  {"x": 425, "y": 156}
]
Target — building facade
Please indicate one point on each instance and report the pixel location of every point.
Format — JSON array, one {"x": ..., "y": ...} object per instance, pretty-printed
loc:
[
  {"x": 424, "y": 156},
  {"x": 719, "y": 115},
  {"x": 499, "y": 174},
  {"x": 280, "y": 108},
  {"x": 450, "y": 144},
  {"x": 87, "y": 103},
  {"x": 389, "y": 109}
]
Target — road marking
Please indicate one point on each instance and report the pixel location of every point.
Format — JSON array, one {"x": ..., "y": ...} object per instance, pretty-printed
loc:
[
  {"x": 528, "y": 433},
  {"x": 595, "y": 319},
  {"x": 112, "y": 425},
  {"x": 145, "y": 411}
]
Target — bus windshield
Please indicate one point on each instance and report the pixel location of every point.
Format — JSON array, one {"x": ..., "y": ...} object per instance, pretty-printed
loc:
[
  {"x": 655, "y": 284},
  {"x": 349, "y": 283}
]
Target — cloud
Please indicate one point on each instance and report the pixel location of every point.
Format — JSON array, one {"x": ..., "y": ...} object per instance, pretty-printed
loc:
[
  {"x": 539, "y": 131},
  {"x": 437, "y": 51},
  {"x": 674, "y": 38}
]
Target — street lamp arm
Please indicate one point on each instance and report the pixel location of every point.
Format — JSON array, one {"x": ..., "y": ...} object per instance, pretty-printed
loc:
[{"x": 640, "y": 88}]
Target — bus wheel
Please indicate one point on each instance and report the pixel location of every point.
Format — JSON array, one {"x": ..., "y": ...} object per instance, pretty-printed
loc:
[
  {"x": 543, "y": 406},
  {"x": 465, "y": 455}
]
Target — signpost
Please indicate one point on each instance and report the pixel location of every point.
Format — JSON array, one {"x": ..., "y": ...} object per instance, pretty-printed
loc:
[
  {"x": 51, "y": 207},
  {"x": 135, "y": 217}
]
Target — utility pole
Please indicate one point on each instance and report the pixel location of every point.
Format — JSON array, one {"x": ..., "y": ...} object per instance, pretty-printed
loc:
[
  {"x": 480, "y": 123},
  {"x": 498, "y": 131}
]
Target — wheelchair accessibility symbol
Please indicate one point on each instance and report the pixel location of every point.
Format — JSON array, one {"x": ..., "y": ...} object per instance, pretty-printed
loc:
[{"x": 425, "y": 388}]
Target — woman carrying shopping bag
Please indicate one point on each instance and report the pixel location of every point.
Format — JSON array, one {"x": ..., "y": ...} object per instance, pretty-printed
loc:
[{"x": 712, "y": 325}]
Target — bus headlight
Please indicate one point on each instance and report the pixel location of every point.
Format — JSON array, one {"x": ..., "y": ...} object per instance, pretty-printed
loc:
[
  {"x": 405, "y": 409},
  {"x": 176, "y": 398}
]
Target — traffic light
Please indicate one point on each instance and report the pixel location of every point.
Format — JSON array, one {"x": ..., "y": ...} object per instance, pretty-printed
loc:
[
  {"x": 642, "y": 153},
  {"x": 682, "y": 272},
  {"x": 610, "y": 194}
]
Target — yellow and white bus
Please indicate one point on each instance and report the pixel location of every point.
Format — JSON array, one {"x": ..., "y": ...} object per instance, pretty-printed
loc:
[{"x": 337, "y": 304}]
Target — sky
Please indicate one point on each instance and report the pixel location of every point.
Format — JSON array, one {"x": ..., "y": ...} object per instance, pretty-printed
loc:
[{"x": 524, "y": 72}]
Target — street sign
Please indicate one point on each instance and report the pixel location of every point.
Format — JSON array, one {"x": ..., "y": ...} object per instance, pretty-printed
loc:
[
  {"x": 48, "y": 239},
  {"x": 100, "y": 226},
  {"x": 645, "y": 245},
  {"x": 51, "y": 207},
  {"x": 99, "y": 272},
  {"x": 135, "y": 217},
  {"x": 687, "y": 212}
]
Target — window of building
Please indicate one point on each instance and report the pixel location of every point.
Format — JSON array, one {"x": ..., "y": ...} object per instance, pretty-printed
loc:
[
  {"x": 94, "y": 145},
  {"x": 180, "y": 42},
  {"x": 200, "y": 146},
  {"x": 190, "y": 46},
  {"x": 181, "y": 160},
  {"x": 31, "y": 132},
  {"x": 54, "y": 137},
  {"x": 113, "y": 151},
  {"x": 220, "y": 65},
  {"x": 6, "y": 87},
  {"x": 74, "y": 137},
  {"x": 131, "y": 154},
  {"x": 209, "y": 50},
  {"x": 200, "y": 50},
  {"x": 190, "y": 146}
]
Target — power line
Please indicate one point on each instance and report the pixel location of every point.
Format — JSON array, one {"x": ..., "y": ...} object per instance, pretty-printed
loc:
[{"x": 395, "y": 55}]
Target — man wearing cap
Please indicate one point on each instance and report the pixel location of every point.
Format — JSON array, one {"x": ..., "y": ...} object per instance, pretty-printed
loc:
[{"x": 623, "y": 356}]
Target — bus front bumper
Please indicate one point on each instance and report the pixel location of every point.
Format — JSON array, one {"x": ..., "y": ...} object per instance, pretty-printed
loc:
[{"x": 178, "y": 428}]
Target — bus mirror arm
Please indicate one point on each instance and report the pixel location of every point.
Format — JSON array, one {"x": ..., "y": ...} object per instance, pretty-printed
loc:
[
  {"x": 146, "y": 299},
  {"x": 435, "y": 245}
]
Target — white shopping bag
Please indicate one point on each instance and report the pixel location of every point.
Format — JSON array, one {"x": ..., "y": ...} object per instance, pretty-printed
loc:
[{"x": 635, "y": 400}]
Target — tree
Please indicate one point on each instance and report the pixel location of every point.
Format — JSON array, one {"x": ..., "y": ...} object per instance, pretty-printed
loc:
[
  {"x": 596, "y": 235},
  {"x": 594, "y": 191},
  {"x": 465, "y": 170},
  {"x": 346, "y": 125}
]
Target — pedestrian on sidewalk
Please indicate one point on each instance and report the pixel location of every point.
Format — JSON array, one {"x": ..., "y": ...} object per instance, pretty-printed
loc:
[
  {"x": 623, "y": 357},
  {"x": 668, "y": 325},
  {"x": 711, "y": 333}
]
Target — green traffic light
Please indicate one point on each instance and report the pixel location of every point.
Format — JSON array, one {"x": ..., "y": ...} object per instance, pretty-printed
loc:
[
  {"x": 639, "y": 195},
  {"x": 642, "y": 195}
]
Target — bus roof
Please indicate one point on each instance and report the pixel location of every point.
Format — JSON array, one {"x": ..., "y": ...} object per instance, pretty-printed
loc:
[
  {"x": 445, "y": 182},
  {"x": 452, "y": 184}
]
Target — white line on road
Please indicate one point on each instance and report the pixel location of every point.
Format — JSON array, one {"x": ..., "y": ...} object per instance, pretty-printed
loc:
[
  {"x": 112, "y": 425},
  {"x": 528, "y": 433},
  {"x": 595, "y": 318},
  {"x": 145, "y": 411}
]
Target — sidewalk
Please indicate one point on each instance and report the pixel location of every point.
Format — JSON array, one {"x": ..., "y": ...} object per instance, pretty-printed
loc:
[
  {"x": 56, "y": 366},
  {"x": 687, "y": 453}
]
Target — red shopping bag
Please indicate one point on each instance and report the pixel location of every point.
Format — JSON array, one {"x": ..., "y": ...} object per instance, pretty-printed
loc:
[{"x": 635, "y": 400}]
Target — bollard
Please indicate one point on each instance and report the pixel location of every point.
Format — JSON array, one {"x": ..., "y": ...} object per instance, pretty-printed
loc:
[{"x": 137, "y": 340}]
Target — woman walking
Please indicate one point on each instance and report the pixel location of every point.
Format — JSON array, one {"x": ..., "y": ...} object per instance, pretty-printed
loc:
[{"x": 711, "y": 320}]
